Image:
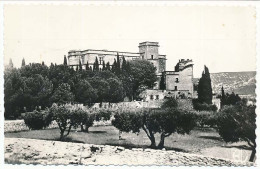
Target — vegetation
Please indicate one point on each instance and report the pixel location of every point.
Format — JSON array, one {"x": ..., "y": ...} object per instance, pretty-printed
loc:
[
  {"x": 37, "y": 85},
  {"x": 204, "y": 87},
  {"x": 197, "y": 105},
  {"x": 238, "y": 123},
  {"x": 162, "y": 121},
  {"x": 37, "y": 120},
  {"x": 229, "y": 99}
]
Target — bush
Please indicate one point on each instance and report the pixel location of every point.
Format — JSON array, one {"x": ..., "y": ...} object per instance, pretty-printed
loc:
[
  {"x": 37, "y": 120},
  {"x": 205, "y": 118},
  {"x": 103, "y": 114},
  {"x": 203, "y": 106},
  {"x": 169, "y": 103}
]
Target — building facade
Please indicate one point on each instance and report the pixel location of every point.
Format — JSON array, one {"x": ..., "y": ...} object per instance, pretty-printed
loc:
[{"x": 177, "y": 83}]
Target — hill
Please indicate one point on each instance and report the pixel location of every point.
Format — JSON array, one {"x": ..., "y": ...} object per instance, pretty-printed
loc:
[{"x": 243, "y": 83}]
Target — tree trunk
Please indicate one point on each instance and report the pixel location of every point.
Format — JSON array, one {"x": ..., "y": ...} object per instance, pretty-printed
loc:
[
  {"x": 82, "y": 127},
  {"x": 86, "y": 128},
  {"x": 252, "y": 156},
  {"x": 61, "y": 134},
  {"x": 153, "y": 143},
  {"x": 161, "y": 144}
]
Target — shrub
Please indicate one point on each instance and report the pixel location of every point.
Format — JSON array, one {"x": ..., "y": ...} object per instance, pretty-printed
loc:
[
  {"x": 203, "y": 106},
  {"x": 37, "y": 120},
  {"x": 103, "y": 114},
  {"x": 152, "y": 121},
  {"x": 169, "y": 103},
  {"x": 205, "y": 118},
  {"x": 238, "y": 123}
]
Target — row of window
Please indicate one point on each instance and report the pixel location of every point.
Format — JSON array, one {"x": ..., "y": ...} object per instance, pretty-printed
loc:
[{"x": 156, "y": 97}]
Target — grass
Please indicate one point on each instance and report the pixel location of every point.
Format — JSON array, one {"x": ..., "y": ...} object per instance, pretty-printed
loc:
[{"x": 108, "y": 135}]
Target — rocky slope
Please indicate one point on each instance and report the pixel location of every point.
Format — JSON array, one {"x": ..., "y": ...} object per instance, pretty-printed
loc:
[{"x": 243, "y": 83}]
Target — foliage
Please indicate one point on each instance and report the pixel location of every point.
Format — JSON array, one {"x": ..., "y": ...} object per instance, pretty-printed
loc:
[
  {"x": 103, "y": 114},
  {"x": 152, "y": 121},
  {"x": 229, "y": 99},
  {"x": 102, "y": 88},
  {"x": 237, "y": 123},
  {"x": 37, "y": 120},
  {"x": 65, "y": 61},
  {"x": 162, "y": 82},
  {"x": 169, "y": 103},
  {"x": 206, "y": 118},
  {"x": 84, "y": 93},
  {"x": 23, "y": 62},
  {"x": 204, "y": 87},
  {"x": 116, "y": 91},
  {"x": 203, "y": 106},
  {"x": 143, "y": 74},
  {"x": 62, "y": 94}
]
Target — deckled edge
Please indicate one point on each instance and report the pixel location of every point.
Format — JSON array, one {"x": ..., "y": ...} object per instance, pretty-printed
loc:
[{"x": 123, "y": 3}]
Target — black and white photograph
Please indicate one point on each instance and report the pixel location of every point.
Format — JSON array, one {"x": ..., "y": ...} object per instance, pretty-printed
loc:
[{"x": 130, "y": 84}]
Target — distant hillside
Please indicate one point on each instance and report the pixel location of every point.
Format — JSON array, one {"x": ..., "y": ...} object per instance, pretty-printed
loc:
[{"x": 238, "y": 82}]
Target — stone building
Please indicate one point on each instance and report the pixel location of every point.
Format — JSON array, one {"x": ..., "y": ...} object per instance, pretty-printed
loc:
[{"x": 177, "y": 83}]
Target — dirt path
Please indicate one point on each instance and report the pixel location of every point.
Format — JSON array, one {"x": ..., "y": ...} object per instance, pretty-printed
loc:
[{"x": 30, "y": 151}]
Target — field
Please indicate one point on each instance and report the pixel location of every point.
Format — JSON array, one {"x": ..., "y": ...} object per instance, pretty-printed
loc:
[{"x": 203, "y": 141}]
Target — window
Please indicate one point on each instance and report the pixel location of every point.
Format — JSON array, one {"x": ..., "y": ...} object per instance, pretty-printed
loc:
[
  {"x": 177, "y": 80},
  {"x": 151, "y": 97},
  {"x": 175, "y": 88},
  {"x": 157, "y": 97},
  {"x": 151, "y": 56}
]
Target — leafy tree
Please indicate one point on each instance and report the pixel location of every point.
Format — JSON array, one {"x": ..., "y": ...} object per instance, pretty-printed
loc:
[
  {"x": 13, "y": 89},
  {"x": 23, "y": 62},
  {"x": 65, "y": 61},
  {"x": 204, "y": 87},
  {"x": 102, "y": 88},
  {"x": 116, "y": 91},
  {"x": 37, "y": 120},
  {"x": 66, "y": 118},
  {"x": 84, "y": 93},
  {"x": 143, "y": 75},
  {"x": 34, "y": 69},
  {"x": 62, "y": 94},
  {"x": 169, "y": 103},
  {"x": 163, "y": 121},
  {"x": 238, "y": 123}
]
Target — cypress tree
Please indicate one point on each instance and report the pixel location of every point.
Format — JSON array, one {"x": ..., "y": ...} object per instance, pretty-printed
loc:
[
  {"x": 96, "y": 65},
  {"x": 11, "y": 65},
  {"x": 204, "y": 87},
  {"x": 118, "y": 69},
  {"x": 104, "y": 66},
  {"x": 114, "y": 66},
  {"x": 124, "y": 66},
  {"x": 87, "y": 66},
  {"x": 162, "y": 82},
  {"x": 90, "y": 68},
  {"x": 77, "y": 68},
  {"x": 108, "y": 66},
  {"x": 223, "y": 97},
  {"x": 80, "y": 66},
  {"x": 42, "y": 63},
  {"x": 65, "y": 61},
  {"x": 23, "y": 62}
]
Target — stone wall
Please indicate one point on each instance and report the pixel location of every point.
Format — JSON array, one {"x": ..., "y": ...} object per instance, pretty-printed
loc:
[{"x": 31, "y": 151}]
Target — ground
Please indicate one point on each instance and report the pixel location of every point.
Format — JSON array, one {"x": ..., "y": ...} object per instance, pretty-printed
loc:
[{"x": 202, "y": 141}]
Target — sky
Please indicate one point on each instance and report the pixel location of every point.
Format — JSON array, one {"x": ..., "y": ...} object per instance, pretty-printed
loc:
[{"x": 222, "y": 38}]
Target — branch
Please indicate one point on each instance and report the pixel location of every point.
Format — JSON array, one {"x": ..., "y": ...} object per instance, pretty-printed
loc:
[
  {"x": 166, "y": 135},
  {"x": 69, "y": 130},
  {"x": 146, "y": 132}
]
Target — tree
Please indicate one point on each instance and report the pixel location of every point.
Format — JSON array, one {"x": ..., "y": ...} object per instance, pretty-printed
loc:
[
  {"x": 66, "y": 117},
  {"x": 34, "y": 69},
  {"x": 80, "y": 66},
  {"x": 96, "y": 65},
  {"x": 162, "y": 82},
  {"x": 124, "y": 65},
  {"x": 143, "y": 75},
  {"x": 65, "y": 61},
  {"x": 204, "y": 87},
  {"x": 43, "y": 63},
  {"x": 238, "y": 123},
  {"x": 108, "y": 66},
  {"x": 103, "y": 66},
  {"x": 169, "y": 103},
  {"x": 23, "y": 62},
  {"x": 62, "y": 94},
  {"x": 87, "y": 66},
  {"x": 114, "y": 66},
  {"x": 102, "y": 88},
  {"x": 163, "y": 121},
  {"x": 84, "y": 93},
  {"x": 115, "y": 90},
  {"x": 223, "y": 97},
  {"x": 11, "y": 65},
  {"x": 117, "y": 65}
]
